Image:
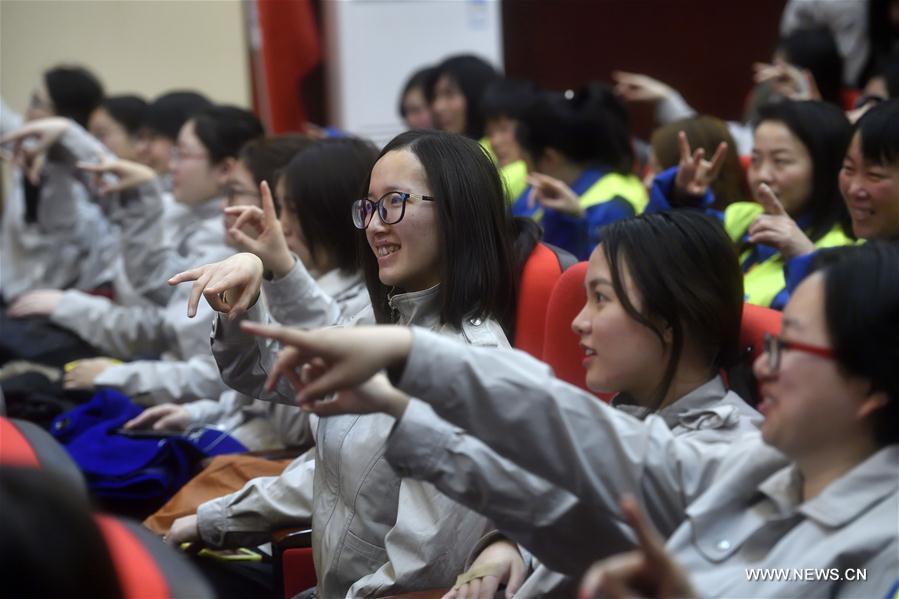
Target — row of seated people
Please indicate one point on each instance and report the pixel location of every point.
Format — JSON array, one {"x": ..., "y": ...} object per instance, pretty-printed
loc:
[{"x": 438, "y": 251}]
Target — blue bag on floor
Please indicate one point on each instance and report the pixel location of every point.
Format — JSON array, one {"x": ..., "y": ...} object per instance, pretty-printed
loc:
[{"x": 122, "y": 467}]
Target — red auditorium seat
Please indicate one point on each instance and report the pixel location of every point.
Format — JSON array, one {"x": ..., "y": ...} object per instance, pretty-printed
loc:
[
  {"x": 543, "y": 268},
  {"x": 757, "y": 321},
  {"x": 15, "y": 450},
  {"x": 146, "y": 567},
  {"x": 27, "y": 445},
  {"x": 561, "y": 349}
]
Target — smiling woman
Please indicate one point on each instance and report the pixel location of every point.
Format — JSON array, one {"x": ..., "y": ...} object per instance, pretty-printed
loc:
[
  {"x": 460, "y": 239},
  {"x": 444, "y": 263},
  {"x": 455, "y": 89},
  {"x": 869, "y": 178},
  {"x": 816, "y": 489},
  {"x": 407, "y": 256},
  {"x": 796, "y": 156}
]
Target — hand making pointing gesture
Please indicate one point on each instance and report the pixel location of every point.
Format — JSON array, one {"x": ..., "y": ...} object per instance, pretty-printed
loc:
[{"x": 777, "y": 228}]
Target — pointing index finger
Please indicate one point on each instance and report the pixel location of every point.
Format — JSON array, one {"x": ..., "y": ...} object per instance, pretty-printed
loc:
[
  {"x": 268, "y": 204},
  {"x": 769, "y": 201}
]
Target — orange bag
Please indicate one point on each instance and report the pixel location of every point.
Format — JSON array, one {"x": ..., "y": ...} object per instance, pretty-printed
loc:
[{"x": 225, "y": 474}]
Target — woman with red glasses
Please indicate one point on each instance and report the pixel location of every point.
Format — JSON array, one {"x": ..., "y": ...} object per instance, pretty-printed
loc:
[{"x": 806, "y": 507}]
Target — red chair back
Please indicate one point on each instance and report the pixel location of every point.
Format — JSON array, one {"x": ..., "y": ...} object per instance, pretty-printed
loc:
[
  {"x": 538, "y": 278},
  {"x": 139, "y": 575},
  {"x": 561, "y": 349},
  {"x": 757, "y": 321},
  {"x": 298, "y": 570},
  {"x": 146, "y": 567},
  {"x": 15, "y": 450}
]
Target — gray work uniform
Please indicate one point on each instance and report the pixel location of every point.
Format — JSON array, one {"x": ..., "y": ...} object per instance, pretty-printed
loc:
[
  {"x": 743, "y": 508},
  {"x": 373, "y": 534},
  {"x": 69, "y": 242},
  {"x": 291, "y": 300},
  {"x": 708, "y": 414}
]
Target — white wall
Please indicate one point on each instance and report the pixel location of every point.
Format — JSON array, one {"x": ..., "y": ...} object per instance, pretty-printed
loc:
[
  {"x": 374, "y": 45},
  {"x": 135, "y": 46}
]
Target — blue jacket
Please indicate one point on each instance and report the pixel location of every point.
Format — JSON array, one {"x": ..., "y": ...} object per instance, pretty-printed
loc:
[{"x": 605, "y": 196}]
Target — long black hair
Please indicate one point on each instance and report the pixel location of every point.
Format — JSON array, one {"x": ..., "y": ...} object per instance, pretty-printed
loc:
[
  {"x": 477, "y": 270},
  {"x": 321, "y": 183},
  {"x": 687, "y": 275},
  {"x": 473, "y": 75},
  {"x": 417, "y": 80},
  {"x": 43, "y": 510},
  {"x": 825, "y": 132}
]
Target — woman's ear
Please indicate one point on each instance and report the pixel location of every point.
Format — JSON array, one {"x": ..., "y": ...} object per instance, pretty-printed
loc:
[{"x": 875, "y": 401}]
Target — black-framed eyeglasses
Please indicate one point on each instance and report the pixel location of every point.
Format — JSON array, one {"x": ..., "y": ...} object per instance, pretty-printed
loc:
[
  {"x": 391, "y": 208},
  {"x": 773, "y": 345}
]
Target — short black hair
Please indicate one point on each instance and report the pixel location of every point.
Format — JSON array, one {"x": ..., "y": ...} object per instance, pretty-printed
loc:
[
  {"x": 590, "y": 126},
  {"x": 224, "y": 130},
  {"x": 879, "y": 132},
  {"x": 861, "y": 305},
  {"x": 507, "y": 98},
  {"x": 816, "y": 50},
  {"x": 687, "y": 274},
  {"x": 825, "y": 132},
  {"x": 74, "y": 91},
  {"x": 321, "y": 183},
  {"x": 418, "y": 80},
  {"x": 51, "y": 546},
  {"x": 265, "y": 156},
  {"x": 477, "y": 271},
  {"x": 128, "y": 111},
  {"x": 167, "y": 114},
  {"x": 473, "y": 75}
]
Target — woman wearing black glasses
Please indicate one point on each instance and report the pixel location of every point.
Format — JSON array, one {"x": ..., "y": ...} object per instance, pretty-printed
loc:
[{"x": 437, "y": 254}]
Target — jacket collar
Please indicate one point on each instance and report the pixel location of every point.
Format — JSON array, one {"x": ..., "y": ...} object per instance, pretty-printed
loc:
[
  {"x": 702, "y": 399},
  {"x": 335, "y": 282},
  {"x": 844, "y": 499},
  {"x": 418, "y": 307}
]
